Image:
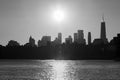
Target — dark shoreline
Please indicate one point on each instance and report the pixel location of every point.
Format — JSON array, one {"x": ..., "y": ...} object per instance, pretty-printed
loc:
[{"x": 61, "y": 52}]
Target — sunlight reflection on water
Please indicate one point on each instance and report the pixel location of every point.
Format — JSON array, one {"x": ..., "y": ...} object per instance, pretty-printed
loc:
[{"x": 59, "y": 70}]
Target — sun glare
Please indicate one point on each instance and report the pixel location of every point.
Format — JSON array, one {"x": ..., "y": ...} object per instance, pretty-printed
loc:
[
  {"x": 59, "y": 15},
  {"x": 59, "y": 69},
  {"x": 59, "y": 66}
]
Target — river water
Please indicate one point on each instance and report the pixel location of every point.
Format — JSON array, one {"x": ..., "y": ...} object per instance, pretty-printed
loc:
[{"x": 59, "y": 70}]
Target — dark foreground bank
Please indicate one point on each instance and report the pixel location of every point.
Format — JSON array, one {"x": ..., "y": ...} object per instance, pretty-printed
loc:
[{"x": 65, "y": 52}]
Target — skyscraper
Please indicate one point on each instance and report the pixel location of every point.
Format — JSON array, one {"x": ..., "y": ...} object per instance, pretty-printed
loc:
[
  {"x": 80, "y": 34},
  {"x": 68, "y": 40},
  {"x": 31, "y": 41},
  {"x": 75, "y": 37},
  {"x": 45, "y": 41},
  {"x": 89, "y": 38},
  {"x": 103, "y": 31},
  {"x": 81, "y": 39},
  {"x": 60, "y": 38}
]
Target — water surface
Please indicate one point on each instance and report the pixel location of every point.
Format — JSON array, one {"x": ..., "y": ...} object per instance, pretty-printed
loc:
[{"x": 59, "y": 70}]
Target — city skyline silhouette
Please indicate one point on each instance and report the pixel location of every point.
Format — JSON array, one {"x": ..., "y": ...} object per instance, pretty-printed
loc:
[
  {"x": 77, "y": 37},
  {"x": 60, "y": 39},
  {"x": 88, "y": 26},
  {"x": 72, "y": 49},
  {"x": 20, "y": 19}
]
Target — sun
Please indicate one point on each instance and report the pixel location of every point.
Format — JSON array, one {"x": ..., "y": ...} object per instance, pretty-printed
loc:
[{"x": 58, "y": 15}]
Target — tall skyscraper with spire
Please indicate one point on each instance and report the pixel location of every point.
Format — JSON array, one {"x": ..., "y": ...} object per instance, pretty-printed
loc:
[{"x": 103, "y": 31}]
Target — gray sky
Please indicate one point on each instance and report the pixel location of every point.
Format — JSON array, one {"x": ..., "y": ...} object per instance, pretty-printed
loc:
[{"x": 21, "y": 18}]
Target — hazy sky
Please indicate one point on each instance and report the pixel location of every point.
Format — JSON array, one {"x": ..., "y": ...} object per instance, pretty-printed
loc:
[{"x": 21, "y": 18}]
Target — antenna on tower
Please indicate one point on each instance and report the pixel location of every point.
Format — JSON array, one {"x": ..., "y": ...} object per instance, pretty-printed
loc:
[{"x": 103, "y": 17}]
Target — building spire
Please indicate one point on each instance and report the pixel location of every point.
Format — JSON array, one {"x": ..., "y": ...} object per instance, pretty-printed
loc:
[{"x": 103, "y": 18}]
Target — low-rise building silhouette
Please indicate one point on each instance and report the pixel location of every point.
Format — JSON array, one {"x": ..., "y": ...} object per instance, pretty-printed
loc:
[{"x": 98, "y": 42}]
